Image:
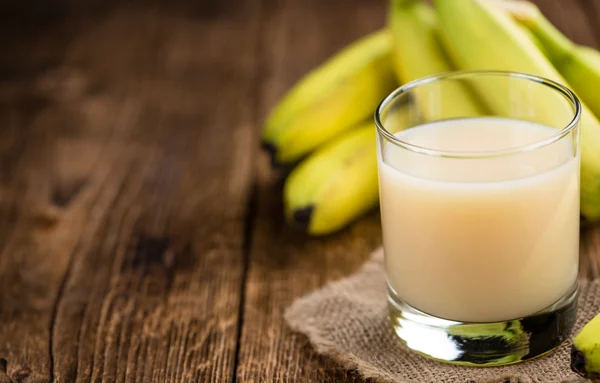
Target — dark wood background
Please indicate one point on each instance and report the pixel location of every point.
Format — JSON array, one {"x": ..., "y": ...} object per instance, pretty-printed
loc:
[{"x": 141, "y": 230}]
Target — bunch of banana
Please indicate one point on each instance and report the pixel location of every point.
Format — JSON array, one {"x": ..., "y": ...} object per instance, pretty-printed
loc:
[
  {"x": 323, "y": 116},
  {"x": 330, "y": 111}
]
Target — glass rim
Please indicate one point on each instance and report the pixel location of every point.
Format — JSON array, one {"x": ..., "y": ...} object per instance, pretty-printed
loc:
[{"x": 566, "y": 92}]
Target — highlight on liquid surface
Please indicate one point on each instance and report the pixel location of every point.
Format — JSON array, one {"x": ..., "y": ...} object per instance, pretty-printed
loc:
[{"x": 480, "y": 240}]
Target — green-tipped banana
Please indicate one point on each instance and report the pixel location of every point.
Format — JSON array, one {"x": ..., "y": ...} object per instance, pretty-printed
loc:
[
  {"x": 585, "y": 352},
  {"x": 337, "y": 183},
  {"x": 418, "y": 53},
  {"x": 331, "y": 99},
  {"x": 579, "y": 65},
  {"x": 481, "y": 35}
]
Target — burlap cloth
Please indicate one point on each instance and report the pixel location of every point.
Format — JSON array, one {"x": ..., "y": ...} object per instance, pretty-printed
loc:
[{"x": 347, "y": 320}]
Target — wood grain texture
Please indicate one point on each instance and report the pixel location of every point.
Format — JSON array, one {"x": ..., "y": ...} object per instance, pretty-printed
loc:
[{"x": 125, "y": 182}]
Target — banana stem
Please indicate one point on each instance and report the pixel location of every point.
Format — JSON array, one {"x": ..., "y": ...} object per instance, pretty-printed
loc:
[{"x": 558, "y": 46}]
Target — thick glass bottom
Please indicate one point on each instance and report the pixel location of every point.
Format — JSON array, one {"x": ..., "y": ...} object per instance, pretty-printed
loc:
[{"x": 483, "y": 344}]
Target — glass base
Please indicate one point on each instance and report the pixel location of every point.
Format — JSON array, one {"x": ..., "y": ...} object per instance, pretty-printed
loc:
[{"x": 483, "y": 344}]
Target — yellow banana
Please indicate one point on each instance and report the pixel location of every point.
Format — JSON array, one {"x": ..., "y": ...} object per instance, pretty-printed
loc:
[
  {"x": 338, "y": 182},
  {"x": 585, "y": 352},
  {"x": 579, "y": 65},
  {"x": 331, "y": 99},
  {"x": 481, "y": 35},
  {"x": 418, "y": 53}
]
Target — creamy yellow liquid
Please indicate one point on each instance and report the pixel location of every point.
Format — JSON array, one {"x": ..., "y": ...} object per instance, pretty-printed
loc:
[{"x": 480, "y": 240}]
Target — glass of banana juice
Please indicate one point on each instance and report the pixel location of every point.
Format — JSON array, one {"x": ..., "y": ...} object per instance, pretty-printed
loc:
[{"x": 479, "y": 193}]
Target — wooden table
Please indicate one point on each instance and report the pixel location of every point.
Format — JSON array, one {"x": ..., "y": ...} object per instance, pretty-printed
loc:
[{"x": 141, "y": 228}]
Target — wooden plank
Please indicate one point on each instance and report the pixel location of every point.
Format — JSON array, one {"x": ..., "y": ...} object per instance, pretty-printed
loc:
[
  {"x": 124, "y": 194},
  {"x": 283, "y": 265},
  {"x": 28, "y": 283}
]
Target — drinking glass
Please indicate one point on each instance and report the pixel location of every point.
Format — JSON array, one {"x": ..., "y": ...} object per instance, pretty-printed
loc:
[{"x": 479, "y": 193}]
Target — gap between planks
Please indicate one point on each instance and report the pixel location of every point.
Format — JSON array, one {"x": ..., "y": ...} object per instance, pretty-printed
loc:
[{"x": 251, "y": 214}]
